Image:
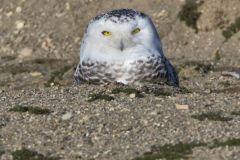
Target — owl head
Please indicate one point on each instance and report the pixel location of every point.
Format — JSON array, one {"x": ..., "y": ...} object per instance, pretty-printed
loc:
[{"x": 122, "y": 32}]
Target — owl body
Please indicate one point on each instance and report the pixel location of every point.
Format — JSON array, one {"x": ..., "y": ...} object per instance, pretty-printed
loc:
[
  {"x": 123, "y": 46},
  {"x": 127, "y": 71}
]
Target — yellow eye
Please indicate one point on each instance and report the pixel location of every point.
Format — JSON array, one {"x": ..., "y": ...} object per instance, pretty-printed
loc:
[
  {"x": 136, "y": 30},
  {"x": 106, "y": 33}
]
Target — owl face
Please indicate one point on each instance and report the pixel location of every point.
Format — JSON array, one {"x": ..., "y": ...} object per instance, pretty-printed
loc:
[{"x": 120, "y": 32}]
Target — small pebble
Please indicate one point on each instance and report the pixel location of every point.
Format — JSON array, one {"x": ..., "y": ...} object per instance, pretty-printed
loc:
[
  {"x": 18, "y": 9},
  {"x": 132, "y": 95},
  {"x": 163, "y": 13},
  {"x": 153, "y": 113},
  {"x": 207, "y": 91},
  {"x": 9, "y": 14},
  {"x": 67, "y": 116},
  {"x": 35, "y": 74},
  {"x": 25, "y": 52},
  {"x": 182, "y": 106},
  {"x": 19, "y": 24},
  {"x": 68, "y": 6}
]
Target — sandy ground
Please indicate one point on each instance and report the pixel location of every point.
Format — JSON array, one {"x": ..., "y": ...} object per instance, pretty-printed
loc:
[{"x": 39, "y": 45}]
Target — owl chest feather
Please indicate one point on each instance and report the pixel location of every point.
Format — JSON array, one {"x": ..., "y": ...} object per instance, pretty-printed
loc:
[{"x": 125, "y": 72}]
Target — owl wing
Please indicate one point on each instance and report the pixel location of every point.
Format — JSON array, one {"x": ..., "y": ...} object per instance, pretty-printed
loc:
[
  {"x": 77, "y": 74},
  {"x": 171, "y": 74}
]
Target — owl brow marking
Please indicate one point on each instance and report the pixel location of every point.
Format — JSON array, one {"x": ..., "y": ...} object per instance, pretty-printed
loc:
[{"x": 122, "y": 15}]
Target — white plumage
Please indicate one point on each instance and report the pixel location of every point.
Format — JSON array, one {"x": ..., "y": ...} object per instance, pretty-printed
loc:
[{"x": 123, "y": 46}]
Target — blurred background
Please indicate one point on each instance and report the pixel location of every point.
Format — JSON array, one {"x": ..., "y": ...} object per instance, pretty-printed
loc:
[{"x": 40, "y": 40}]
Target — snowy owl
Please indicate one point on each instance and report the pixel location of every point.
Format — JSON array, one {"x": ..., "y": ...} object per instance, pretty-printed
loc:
[{"x": 123, "y": 46}]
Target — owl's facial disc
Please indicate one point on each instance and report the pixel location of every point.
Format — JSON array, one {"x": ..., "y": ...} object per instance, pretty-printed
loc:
[{"x": 121, "y": 33}]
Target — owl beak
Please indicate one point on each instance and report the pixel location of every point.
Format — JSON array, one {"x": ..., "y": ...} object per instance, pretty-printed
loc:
[
  {"x": 124, "y": 44},
  {"x": 121, "y": 45}
]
